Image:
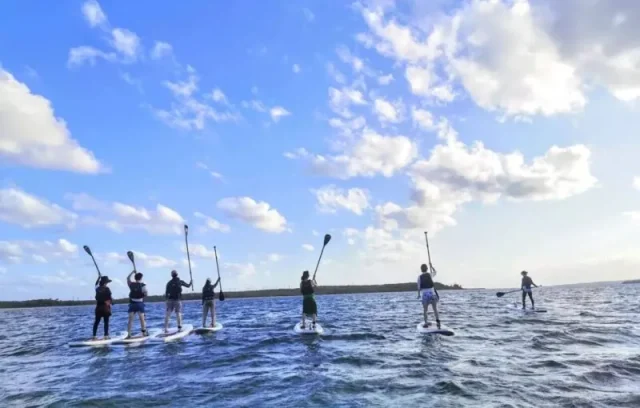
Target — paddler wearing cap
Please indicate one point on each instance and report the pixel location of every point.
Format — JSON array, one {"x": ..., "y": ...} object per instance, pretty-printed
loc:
[
  {"x": 209, "y": 302},
  {"x": 103, "y": 305},
  {"x": 173, "y": 294},
  {"x": 527, "y": 282}
]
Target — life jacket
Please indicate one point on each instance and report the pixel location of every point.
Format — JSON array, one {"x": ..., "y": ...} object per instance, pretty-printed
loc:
[
  {"x": 174, "y": 289},
  {"x": 103, "y": 295},
  {"x": 426, "y": 281},
  {"x": 307, "y": 287},
  {"x": 136, "y": 290},
  {"x": 208, "y": 293}
]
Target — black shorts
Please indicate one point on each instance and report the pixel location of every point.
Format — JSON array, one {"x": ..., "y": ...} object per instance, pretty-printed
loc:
[{"x": 103, "y": 311}]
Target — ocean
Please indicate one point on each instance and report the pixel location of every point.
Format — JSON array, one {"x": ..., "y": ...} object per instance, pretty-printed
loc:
[{"x": 585, "y": 352}]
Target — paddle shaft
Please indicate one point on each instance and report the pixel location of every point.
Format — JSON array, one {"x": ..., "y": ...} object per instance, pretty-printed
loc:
[
  {"x": 318, "y": 264},
  {"x": 94, "y": 262},
  {"x": 215, "y": 251},
  {"x": 430, "y": 266},
  {"x": 186, "y": 242}
]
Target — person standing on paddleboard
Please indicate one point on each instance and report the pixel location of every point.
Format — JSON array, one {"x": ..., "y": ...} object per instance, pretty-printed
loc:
[
  {"x": 209, "y": 302},
  {"x": 173, "y": 294},
  {"x": 103, "y": 305},
  {"x": 137, "y": 293},
  {"x": 427, "y": 293},
  {"x": 309, "y": 306},
  {"x": 526, "y": 284}
]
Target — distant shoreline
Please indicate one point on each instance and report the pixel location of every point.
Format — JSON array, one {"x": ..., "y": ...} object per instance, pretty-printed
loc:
[{"x": 322, "y": 290}]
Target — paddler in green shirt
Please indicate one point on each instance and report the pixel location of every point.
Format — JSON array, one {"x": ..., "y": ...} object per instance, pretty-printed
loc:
[{"x": 309, "y": 306}]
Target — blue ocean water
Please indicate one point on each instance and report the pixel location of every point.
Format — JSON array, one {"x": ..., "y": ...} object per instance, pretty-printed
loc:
[{"x": 585, "y": 352}]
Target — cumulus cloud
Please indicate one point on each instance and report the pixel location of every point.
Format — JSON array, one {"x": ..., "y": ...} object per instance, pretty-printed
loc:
[
  {"x": 386, "y": 111},
  {"x": 212, "y": 224},
  {"x": 23, "y": 251},
  {"x": 260, "y": 215},
  {"x": 307, "y": 247},
  {"x": 142, "y": 259},
  {"x": 340, "y": 100},
  {"x": 29, "y": 211},
  {"x": 31, "y": 135},
  {"x": 93, "y": 13},
  {"x": 161, "y": 50},
  {"x": 331, "y": 198},
  {"x": 278, "y": 112}
]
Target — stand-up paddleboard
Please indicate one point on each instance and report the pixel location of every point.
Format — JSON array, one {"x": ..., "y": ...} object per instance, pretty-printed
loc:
[
  {"x": 529, "y": 310},
  {"x": 138, "y": 338},
  {"x": 308, "y": 329},
  {"x": 207, "y": 330},
  {"x": 433, "y": 329},
  {"x": 99, "y": 342},
  {"x": 174, "y": 334}
]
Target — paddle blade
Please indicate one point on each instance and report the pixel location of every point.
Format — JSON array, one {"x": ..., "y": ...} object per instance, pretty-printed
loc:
[
  {"x": 87, "y": 250},
  {"x": 327, "y": 238},
  {"x": 221, "y": 296},
  {"x": 186, "y": 229},
  {"x": 500, "y": 294},
  {"x": 130, "y": 255}
]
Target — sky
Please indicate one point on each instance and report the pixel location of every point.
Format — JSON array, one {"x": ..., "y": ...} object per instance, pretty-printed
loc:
[{"x": 507, "y": 129}]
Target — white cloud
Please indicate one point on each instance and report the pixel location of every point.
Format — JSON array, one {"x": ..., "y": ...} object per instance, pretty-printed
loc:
[
  {"x": 368, "y": 156},
  {"x": 341, "y": 99},
  {"x": 335, "y": 74},
  {"x": 636, "y": 183},
  {"x": 212, "y": 224},
  {"x": 315, "y": 233},
  {"x": 307, "y": 247},
  {"x": 278, "y": 112},
  {"x": 120, "y": 217},
  {"x": 385, "y": 79},
  {"x": 274, "y": 257},
  {"x": 455, "y": 174},
  {"x": 85, "y": 54},
  {"x": 243, "y": 270},
  {"x": 16, "y": 252},
  {"x": 386, "y": 111},
  {"x": 308, "y": 14},
  {"x": 201, "y": 251},
  {"x": 29, "y": 211},
  {"x": 330, "y": 199},
  {"x": 31, "y": 135},
  {"x": 424, "y": 82},
  {"x": 345, "y": 55},
  {"x": 93, "y": 13},
  {"x": 255, "y": 104},
  {"x": 212, "y": 173},
  {"x": 422, "y": 118},
  {"x": 126, "y": 42},
  {"x": 142, "y": 259},
  {"x": 296, "y": 68},
  {"x": 218, "y": 96},
  {"x": 258, "y": 214},
  {"x": 348, "y": 127},
  {"x": 161, "y": 50}
]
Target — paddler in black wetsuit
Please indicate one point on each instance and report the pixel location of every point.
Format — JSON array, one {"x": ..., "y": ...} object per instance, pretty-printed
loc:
[
  {"x": 137, "y": 293},
  {"x": 526, "y": 284},
  {"x": 309, "y": 306},
  {"x": 103, "y": 305},
  {"x": 209, "y": 302},
  {"x": 427, "y": 294}
]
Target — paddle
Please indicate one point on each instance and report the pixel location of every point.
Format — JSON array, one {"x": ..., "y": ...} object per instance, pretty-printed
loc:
[
  {"x": 88, "y": 250},
  {"x": 431, "y": 268},
  {"x": 501, "y": 294},
  {"x": 221, "y": 295},
  {"x": 186, "y": 232},
  {"x": 132, "y": 259},
  {"x": 327, "y": 238}
]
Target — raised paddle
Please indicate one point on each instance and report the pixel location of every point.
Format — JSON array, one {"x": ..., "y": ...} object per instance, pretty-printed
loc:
[
  {"x": 327, "y": 238},
  {"x": 221, "y": 294},
  {"x": 431, "y": 268},
  {"x": 88, "y": 250},
  {"x": 132, "y": 259},
  {"x": 186, "y": 241}
]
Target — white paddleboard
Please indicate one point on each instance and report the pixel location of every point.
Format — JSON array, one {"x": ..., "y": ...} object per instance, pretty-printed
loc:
[
  {"x": 308, "y": 329},
  {"x": 433, "y": 329},
  {"x": 174, "y": 334},
  {"x": 139, "y": 338},
  {"x": 207, "y": 330},
  {"x": 529, "y": 310},
  {"x": 98, "y": 342}
]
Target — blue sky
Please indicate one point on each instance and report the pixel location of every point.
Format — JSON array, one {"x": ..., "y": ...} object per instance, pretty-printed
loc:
[{"x": 507, "y": 129}]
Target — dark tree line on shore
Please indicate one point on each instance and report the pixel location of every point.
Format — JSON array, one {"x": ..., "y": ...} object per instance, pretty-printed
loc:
[{"x": 322, "y": 290}]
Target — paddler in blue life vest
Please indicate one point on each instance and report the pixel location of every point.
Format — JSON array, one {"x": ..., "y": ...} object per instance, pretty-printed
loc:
[
  {"x": 209, "y": 302},
  {"x": 103, "y": 305},
  {"x": 309, "y": 306},
  {"x": 526, "y": 284},
  {"x": 428, "y": 294},
  {"x": 173, "y": 293},
  {"x": 137, "y": 293}
]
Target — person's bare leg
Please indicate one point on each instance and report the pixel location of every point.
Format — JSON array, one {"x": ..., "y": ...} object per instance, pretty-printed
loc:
[
  {"x": 204, "y": 314},
  {"x": 314, "y": 317},
  {"x": 213, "y": 314},
  {"x": 167, "y": 316},
  {"x": 179, "y": 321},
  {"x": 435, "y": 312},
  {"x": 425, "y": 309},
  {"x": 143, "y": 324},
  {"x": 130, "y": 324},
  {"x": 303, "y": 321}
]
